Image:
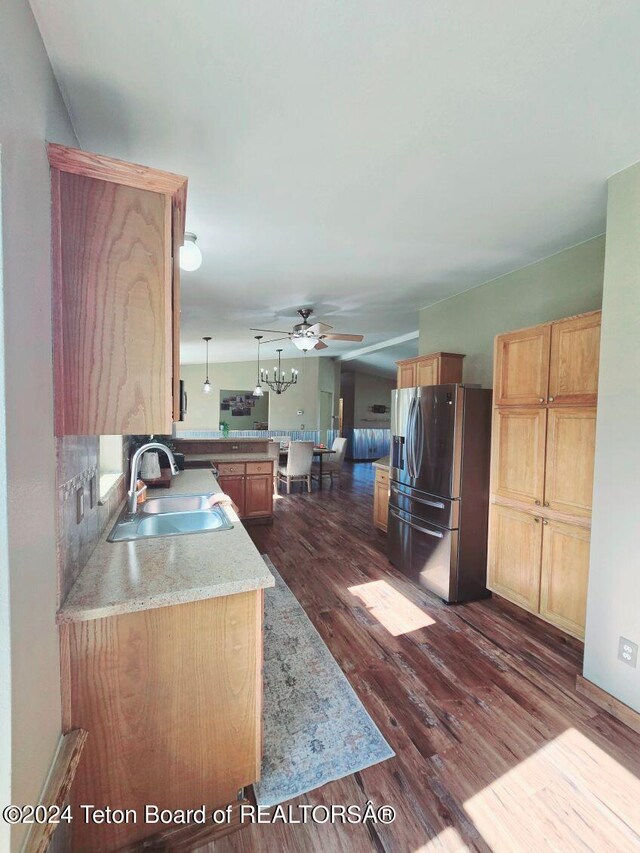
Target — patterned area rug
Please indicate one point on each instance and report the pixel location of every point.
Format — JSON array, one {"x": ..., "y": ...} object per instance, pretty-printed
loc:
[{"x": 316, "y": 729}]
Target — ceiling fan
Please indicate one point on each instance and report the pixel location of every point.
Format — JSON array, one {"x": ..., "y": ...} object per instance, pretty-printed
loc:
[{"x": 307, "y": 336}]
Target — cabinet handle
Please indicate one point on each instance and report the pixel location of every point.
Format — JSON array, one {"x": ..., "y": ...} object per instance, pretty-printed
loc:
[
  {"x": 537, "y": 503},
  {"x": 544, "y": 521},
  {"x": 551, "y": 399},
  {"x": 536, "y": 519},
  {"x": 546, "y": 503},
  {"x": 541, "y": 400}
]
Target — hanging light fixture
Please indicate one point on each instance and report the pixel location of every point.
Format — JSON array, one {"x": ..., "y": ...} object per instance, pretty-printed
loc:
[
  {"x": 279, "y": 383},
  {"x": 257, "y": 391},
  {"x": 206, "y": 386},
  {"x": 190, "y": 254}
]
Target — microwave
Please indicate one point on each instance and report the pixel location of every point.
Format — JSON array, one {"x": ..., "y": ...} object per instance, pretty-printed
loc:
[{"x": 183, "y": 401}]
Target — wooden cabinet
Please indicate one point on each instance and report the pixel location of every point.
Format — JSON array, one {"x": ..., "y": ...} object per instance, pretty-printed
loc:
[
  {"x": 116, "y": 233},
  {"x": 250, "y": 487},
  {"x": 381, "y": 499},
  {"x": 438, "y": 368},
  {"x": 519, "y": 454},
  {"x": 564, "y": 575},
  {"x": 575, "y": 355},
  {"x": 542, "y": 464},
  {"x": 514, "y": 556},
  {"x": 258, "y": 495},
  {"x": 172, "y": 701},
  {"x": 521, "y": 374},
  {"x": 571, "y": 439}
]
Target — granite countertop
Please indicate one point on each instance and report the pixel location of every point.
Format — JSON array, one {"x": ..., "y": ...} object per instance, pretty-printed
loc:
[
  {"x": 383, "y": 462},
  {"x": 228, "y": 457},
  {"x": 124, "y": 577}
]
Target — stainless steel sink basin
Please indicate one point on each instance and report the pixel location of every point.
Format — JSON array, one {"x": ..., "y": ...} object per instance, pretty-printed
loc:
[
  {"x": 175, "y": 503},
  {"x": 162, "y": 523}
]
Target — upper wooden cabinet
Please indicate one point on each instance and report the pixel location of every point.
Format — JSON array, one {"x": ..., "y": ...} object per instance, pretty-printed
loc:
[
  {"x": 575, "y": 354},
  {"x": 554, "y": 363},
  {"x": 116, "y": 233},
  {"x": 522, "y": 367},
  {"x": 438, "y": 368}
]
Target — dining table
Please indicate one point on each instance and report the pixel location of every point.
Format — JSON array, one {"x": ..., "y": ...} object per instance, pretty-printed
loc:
[{"x": 320, "y": 452}]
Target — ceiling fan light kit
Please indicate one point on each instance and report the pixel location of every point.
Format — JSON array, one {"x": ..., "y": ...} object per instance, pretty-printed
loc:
[{"x": 306, "y": 336}]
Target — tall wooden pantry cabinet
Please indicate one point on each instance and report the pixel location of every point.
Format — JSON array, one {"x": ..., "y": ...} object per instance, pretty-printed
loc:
[{"x": 544, "y": 426}]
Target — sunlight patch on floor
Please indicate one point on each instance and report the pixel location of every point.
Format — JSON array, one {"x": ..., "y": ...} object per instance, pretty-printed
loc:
[
  {"x": 571, "y": 775},
  {"x": 392, "y": 609},
  {"x": 448, "y": 840}
]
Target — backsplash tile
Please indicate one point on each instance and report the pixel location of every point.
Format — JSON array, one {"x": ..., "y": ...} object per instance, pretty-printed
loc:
[{"x": 77, "y": 461}]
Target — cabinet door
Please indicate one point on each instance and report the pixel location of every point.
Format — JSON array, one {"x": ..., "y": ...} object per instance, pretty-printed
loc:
[
  {"x": 519, "y": 454},
  {"x": 259, "y": 496},
  {"x": 112, "y": 308},
  {"x": 381, "y": 503},
  {"x": 514, "y": 556},
  {"x": 407, "y": 375},
  {"x": 234, "y": 487},
  {"x": 522, "y": 367},
  {"x": 565, "y": 575},
  {"x": 571, "y": 438},
  {"x": 575, "y": 356},
  {"x": 427, "y": 372}
]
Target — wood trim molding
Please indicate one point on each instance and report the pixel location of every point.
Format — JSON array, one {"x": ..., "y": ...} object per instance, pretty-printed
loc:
[
  {"x": 61, "y": 776},
  {"x": 428, "y": 355},
  {"x": 103, "y": 168},
  {"x": 608, "y": 703}
]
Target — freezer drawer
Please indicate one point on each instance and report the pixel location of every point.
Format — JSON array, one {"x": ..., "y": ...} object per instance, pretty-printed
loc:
[
  {"x": 431, "y": 508},
  {"x": 425, "y": 553}
]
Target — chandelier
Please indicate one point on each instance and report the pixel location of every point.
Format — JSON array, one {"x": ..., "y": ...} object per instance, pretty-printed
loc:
[{"x": 279, "y": 383}]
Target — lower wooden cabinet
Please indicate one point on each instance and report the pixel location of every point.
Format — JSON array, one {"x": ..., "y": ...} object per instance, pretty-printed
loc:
[
  {"x": 540, "y": 564},
  {"x": 514, "y": 561},
  {"x": 381, "y": 499},
  {"x": 250, "y": 487},
  {"x": 565, "y": 575}
]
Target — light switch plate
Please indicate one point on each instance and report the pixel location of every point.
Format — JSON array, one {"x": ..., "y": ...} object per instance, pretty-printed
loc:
[
  {"x": 628, "y": 652},
  {"x": 79, "y": 504}
]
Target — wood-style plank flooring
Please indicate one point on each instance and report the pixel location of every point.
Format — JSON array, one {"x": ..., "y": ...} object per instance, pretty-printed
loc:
[{"x": 495, "y": 750}]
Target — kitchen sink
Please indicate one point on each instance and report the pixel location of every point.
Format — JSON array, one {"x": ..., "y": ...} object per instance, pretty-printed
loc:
[
  {"x": 161, "y": 522},
  {"x": 175, "y": 503}
]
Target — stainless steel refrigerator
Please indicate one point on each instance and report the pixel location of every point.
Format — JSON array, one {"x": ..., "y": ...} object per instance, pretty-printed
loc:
[{"x": 439, "y": 488}]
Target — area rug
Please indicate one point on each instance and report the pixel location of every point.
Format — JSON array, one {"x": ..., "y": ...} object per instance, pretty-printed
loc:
[{"x": 316, "y": 729}]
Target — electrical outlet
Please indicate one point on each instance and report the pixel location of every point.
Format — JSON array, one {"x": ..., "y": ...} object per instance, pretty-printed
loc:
[
  {"x": 628, "y": 652},
  {"x": 93, "y": 496},
  {"x": 79, "y": 504}
]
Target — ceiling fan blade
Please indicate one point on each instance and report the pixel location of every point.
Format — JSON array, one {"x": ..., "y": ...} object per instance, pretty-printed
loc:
[
  {"x": 274, "y": 331},
  {"x": 320, "y": 345},
  {"x": 273, "y": 340},
  {"x": 319, "y": 328},
  {"x": 344, "y": 337}
]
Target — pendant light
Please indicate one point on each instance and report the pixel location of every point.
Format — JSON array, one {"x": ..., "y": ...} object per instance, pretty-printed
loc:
[
  {"x": 257, "y": 391},
  {"x": 190, "y": 254},
  {"x": 206, "y": 387}
]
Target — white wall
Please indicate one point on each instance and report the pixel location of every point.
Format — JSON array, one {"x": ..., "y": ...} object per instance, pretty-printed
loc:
[
  {"x": 614, "y": 578},
  {"x": 31, "y": 111},
  {"x": 203, "y": 409}
]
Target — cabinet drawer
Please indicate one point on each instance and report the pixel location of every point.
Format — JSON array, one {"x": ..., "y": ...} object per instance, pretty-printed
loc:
[
  {"x": 226, "y": 468},
  {"x": 259, "y": 468}
]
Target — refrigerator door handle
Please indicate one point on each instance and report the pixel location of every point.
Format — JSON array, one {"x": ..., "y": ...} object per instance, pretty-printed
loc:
[
  {"x": 419, "y": 423},
  {"x": 416, "y": 526},
  {"x": 411, "y": 438},
  {"x": 434, "y": 504}
]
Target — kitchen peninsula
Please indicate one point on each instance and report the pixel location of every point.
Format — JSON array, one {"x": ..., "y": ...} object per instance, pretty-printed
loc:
[{"x": 161, "y": 659}]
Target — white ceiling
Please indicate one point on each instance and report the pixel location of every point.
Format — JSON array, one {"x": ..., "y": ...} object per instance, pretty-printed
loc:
[{"x": 365, "y": 158}]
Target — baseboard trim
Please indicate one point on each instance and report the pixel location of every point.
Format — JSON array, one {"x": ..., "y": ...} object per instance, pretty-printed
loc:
[{"x": 608, "y": 703}]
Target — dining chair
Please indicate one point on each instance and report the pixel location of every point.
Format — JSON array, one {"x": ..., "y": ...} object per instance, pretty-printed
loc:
[
  {"x": 298, "y": 465},
  {"x": 332, "y": 466},
  {"x": 273, "y": 449}
]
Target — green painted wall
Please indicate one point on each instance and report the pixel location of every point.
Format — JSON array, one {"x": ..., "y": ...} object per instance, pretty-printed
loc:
[{"x": 566, "y": 283}]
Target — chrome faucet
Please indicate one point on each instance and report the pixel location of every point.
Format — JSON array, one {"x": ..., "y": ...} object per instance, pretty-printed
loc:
[{"x": 132, "y": 494}]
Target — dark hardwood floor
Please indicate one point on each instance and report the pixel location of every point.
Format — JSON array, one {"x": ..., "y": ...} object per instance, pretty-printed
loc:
[{"x": 495, "y": 750}]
